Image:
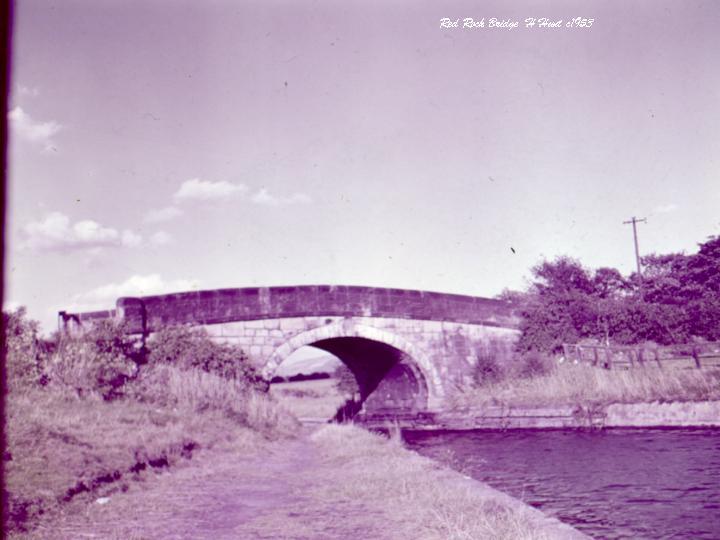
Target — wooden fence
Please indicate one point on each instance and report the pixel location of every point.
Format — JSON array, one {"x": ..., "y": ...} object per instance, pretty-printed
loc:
[{"x": 696, "y": 355}]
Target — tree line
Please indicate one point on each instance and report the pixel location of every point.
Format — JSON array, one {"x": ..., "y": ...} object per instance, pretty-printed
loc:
[{"x": 675, "y": 300}]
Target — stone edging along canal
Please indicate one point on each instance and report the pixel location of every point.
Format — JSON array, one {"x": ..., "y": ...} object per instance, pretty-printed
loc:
[{"x": 654, "y": 414}]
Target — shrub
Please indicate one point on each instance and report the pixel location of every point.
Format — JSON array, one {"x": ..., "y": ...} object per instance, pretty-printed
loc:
[
  {"x": 186, "y": 347},
  {"x": 534, "y": 364},
  {"x": 25, "y": 353},
  {"x": 491, "y": 361},
  {"x": 99, "y": 361}
]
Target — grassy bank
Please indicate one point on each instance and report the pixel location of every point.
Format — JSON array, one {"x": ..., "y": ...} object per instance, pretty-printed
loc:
[
  {"x": 420, "y": 498},
  {"x": 584, "y": 385},
  {"x": 63, "y": 448},
  {"x": 87, "y": 416}
]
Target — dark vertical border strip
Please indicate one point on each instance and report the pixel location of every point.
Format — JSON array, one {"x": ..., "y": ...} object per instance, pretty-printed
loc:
[{"x": 6, "y": 13}]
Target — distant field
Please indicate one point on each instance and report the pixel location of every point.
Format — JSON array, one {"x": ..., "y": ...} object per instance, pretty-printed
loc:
[{"x": 317, "y": 399}]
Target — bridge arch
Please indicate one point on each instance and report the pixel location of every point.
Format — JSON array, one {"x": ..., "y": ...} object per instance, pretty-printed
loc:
[{"x": 335, "y": 338}]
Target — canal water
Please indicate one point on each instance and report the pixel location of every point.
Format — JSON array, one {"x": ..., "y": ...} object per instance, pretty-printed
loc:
[{"x": 610, "y": 484}]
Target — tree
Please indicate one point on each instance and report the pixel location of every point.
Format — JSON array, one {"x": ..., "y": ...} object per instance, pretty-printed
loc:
[
  {"x": 25, "y": 353},
  {"x": 702, "y": 275},
  {"x": 677, "y": 300},
  {"x": 558, "y": 307}
]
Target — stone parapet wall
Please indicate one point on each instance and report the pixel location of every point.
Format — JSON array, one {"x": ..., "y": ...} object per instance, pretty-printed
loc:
[
  {"x": 74, "y": 322},
  {"x": 227, "y": 305}
]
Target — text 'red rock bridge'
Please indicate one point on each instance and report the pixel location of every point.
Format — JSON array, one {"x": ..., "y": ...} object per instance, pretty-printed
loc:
[{"x": 408, "y": 349}]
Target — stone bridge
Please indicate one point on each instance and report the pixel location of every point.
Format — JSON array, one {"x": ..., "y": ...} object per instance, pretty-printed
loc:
[{"x": 407, "y": 349}]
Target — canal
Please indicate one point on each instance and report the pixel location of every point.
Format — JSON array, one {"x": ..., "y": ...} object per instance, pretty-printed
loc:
[{"x": 610, "y": 484}]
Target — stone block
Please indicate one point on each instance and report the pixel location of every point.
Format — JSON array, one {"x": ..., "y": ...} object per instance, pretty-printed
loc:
[
  {"x": 323, "y": 332},
  {"x": 297, "y": 324},
  {"x": 431, "y": 326},
  {"x": 283, "y": 351},
  {"x": 233, "y": 328},
  {"x": 244, "y": 343}
]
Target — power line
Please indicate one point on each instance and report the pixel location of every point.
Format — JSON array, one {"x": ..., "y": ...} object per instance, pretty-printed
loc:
[{"x": 634, "y": 221}]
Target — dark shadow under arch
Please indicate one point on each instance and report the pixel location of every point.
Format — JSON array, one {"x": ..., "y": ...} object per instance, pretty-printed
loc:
[{"x": 389, "y": 382}]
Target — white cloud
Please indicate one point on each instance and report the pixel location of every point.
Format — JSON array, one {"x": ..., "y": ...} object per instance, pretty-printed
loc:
[
  {"x": 130, "y": 239},
  {"x": 161, "y": 238},
  {"x": 665, "y": 208},
  {"x": 56, "y": 232},
  {"x": 31, "y": 130},
  {"x": 162, "y": 214},
  {"x": 264, "y": 197},
  {"x": 104, "y": 297},
  {"x": 196, "y": 189}
]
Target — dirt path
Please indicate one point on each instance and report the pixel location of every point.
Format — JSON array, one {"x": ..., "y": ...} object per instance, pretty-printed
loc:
[{"x": 223, "y": 495}]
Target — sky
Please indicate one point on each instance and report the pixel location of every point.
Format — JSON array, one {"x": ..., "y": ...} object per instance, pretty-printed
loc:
[{"x": 168, "y": 146}]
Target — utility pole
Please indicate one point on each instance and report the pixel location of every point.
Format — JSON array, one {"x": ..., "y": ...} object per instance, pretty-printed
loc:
[{"x": 634, "y": 221}]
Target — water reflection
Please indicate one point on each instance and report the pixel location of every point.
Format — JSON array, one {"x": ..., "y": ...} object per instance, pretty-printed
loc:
[{"x": 614, "y": 484}]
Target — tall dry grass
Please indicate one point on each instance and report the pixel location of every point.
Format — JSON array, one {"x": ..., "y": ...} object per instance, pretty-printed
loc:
[
  {"x": 571, "y": 384},
  {"x": 423, "y": 499},
  {"x": 194, "y": 391}
]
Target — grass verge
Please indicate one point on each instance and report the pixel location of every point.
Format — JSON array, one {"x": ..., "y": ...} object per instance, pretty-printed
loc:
[
  {"x": 62, "y": 447},
  {"x": 420, "y": 498},
  {"x": 583, "y": 384}
]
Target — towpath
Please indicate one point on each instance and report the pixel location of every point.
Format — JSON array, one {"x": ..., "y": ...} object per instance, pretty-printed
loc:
[{"x": 277, "y": 491}]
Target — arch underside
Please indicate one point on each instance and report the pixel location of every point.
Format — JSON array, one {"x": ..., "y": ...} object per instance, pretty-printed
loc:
[
  {"x": 387, "y": 378},
  {"x": 392, "y": 376}
]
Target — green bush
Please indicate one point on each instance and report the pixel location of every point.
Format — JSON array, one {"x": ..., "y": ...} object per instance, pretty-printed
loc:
[
  {"x": 491, "y": 362},
  {"x": 101, "y": 360},
  {"x": 187, "y": 347},
  {"x": 534, "y": 364},
  {"x": 26, "y": 352}
]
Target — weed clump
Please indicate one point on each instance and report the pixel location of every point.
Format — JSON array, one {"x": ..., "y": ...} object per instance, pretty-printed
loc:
[
  {"x": 492, "y": 362},
  {"x": 534, "y": 364}
]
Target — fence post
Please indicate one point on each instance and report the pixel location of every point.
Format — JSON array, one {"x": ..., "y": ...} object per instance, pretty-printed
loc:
[
  {"x": 696, "y": 357},
  {"x": 595, "y": 356},
  {"x": 608, "y": 358},
  {"x": 657, "y": 357}
]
